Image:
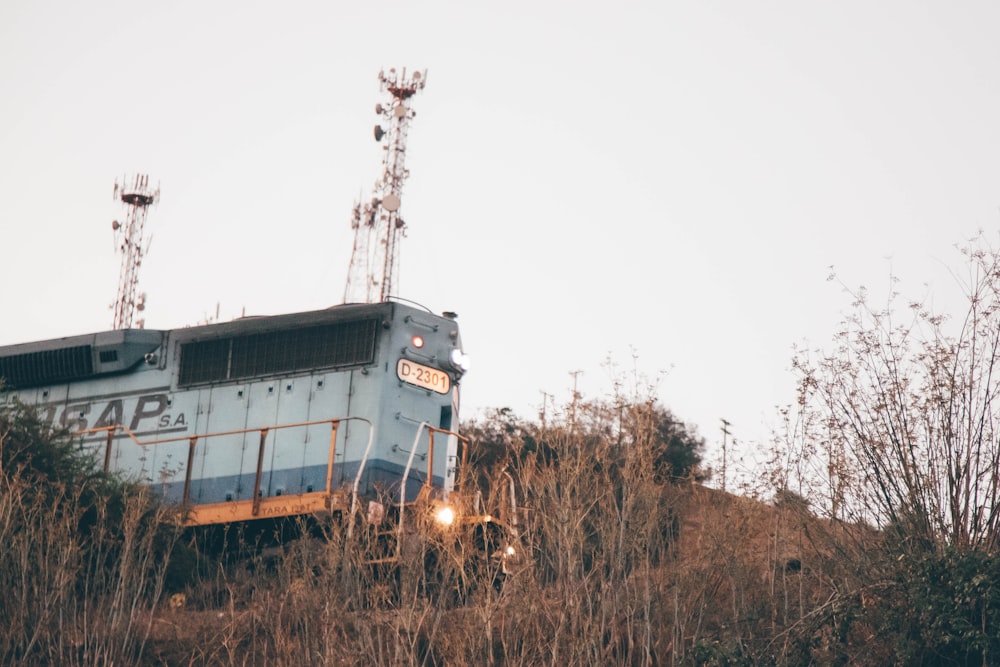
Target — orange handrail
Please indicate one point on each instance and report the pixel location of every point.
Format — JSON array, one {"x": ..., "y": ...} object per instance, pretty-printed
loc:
[{"x": 193, "y": 440}]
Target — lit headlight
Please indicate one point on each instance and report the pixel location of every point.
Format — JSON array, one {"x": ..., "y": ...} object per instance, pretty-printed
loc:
[
  {"x": 444, "y": 515},
  {"x": 459, "y": 359}
]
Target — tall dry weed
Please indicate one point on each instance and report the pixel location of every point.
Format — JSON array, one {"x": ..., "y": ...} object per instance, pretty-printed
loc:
[{"x": 80, "y": 581}]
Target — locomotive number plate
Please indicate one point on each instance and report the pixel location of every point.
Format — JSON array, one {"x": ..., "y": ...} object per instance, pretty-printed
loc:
[{"x": 423, "y": 376}]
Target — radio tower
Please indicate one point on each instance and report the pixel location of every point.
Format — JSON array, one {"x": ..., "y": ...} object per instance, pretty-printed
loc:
[
  {"x": 136, "y": 199},
  {"x": 377, "y": 225}
]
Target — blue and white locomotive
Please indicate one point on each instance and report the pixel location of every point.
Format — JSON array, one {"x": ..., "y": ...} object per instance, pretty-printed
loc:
[{"x": 263, "y": 416}]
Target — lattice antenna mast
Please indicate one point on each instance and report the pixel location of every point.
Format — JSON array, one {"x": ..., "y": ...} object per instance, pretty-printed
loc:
[
  {"x": 136, "y": 197},
  {"x": 378, "y": 227}
]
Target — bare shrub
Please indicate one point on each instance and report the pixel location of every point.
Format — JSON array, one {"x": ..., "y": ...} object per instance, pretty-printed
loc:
[
  {"x": 895, "y": 435},
  {"x": 909, "y": 397}
]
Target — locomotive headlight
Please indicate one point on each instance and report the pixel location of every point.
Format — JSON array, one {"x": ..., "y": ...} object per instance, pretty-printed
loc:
[
  {"x": 459, "y": 359},
  {"x": 444, "y": 515},
  {"x": 418, "y": 341}
]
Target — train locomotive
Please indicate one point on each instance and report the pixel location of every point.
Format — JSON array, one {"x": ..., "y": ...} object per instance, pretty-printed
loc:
[{"x": 262, "y": 417}]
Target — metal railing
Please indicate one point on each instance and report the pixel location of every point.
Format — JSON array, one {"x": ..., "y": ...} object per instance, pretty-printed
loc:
[
  {"x": 460, "y": 465},
  {"x": 220, "y": 512},
  {"x": 264, "y": 431}
]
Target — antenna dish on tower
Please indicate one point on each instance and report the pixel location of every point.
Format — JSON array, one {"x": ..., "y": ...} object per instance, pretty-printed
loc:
[{"x": 391, "y": 203}]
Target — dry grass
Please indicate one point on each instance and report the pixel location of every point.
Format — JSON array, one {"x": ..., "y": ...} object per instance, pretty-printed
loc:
[
  {"x": 79, "y": 584},
  {"x": 613, "y": 566}
]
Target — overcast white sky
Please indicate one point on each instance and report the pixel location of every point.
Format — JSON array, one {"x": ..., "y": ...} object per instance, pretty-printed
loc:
[{"x": 669, "y": 179}]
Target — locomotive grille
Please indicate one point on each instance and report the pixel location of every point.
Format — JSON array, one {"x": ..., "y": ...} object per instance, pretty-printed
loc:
[
  {"x": 35, "y": 369},
  {"x": 237, "y": 357}
]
